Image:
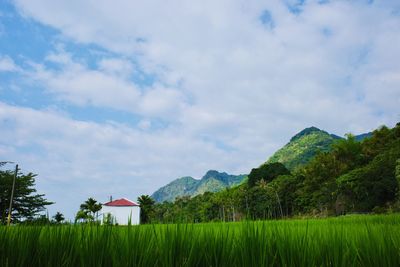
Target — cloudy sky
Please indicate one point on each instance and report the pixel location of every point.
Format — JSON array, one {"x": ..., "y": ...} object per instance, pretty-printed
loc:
[{"x": 120, "y": 97}]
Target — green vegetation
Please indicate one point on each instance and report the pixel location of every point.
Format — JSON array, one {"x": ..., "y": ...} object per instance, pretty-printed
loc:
[
  {"x": 267, "y": 173},
  {"x": 26, "y": 204},
  {"x": 351, "y": 176},
  {"x": 212, "y": 181},
  {"x": 146, "y": 208},
  {"x": 299, "y": 151},
  {"x": 303, "y": 147},
  {"x": 341, "y": 241},
  {"x": 88, "y": 211}
]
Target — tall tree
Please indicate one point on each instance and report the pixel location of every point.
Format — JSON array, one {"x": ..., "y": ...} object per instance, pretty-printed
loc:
[
  {"x": 146, "y": 208},
  {"x": 26, "y": 204},
  {"x": 267, "y": 172}
]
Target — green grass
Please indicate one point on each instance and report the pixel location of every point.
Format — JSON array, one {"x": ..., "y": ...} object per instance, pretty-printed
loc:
[{"x": 343, "y": 241}]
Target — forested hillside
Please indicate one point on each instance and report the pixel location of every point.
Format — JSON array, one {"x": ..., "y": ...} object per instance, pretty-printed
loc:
[
  {"x": 299, "y": 151},
  {"x": 212, "y": 181},
  {"x": 350, "y": 177},
  {"x": 305, "y": 145}
]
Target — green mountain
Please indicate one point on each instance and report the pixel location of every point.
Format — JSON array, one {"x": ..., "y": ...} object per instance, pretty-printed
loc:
[
  {"x": 212, "y": 181},
  {"x": 303, "y": 147},
  {"x": 352, "y": 177},
  {"x": 361, "y": 137}
]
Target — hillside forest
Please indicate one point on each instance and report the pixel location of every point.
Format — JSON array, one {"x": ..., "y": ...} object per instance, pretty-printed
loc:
[{"x": 351, "y": 176}]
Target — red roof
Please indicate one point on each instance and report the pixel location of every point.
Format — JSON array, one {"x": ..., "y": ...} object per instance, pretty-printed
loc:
[{"x": 123, "y": 202}]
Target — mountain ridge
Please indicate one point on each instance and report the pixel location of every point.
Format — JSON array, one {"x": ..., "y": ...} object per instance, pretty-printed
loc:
[
  {"x": 301, "y": 148},
  {"x": 212, "y": 181}
]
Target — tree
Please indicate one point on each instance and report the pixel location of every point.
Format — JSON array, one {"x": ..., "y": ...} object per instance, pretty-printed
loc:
[
  {"x": 59, "y": 217},
  {"x": 267, "y": 172},
  {"x": 261, "y": 202},
  {"x": 146, "y": 208},
  {"x": 348, "y": 151},
  {"x": 315, "y": 193},
  {"x": 398, "y": 177},
  {"x": 83, "y": 216},
  {"x": 88, "y": 210},
  {"x": 285, "y": 187},
  {"x": 26, "y": 204}
]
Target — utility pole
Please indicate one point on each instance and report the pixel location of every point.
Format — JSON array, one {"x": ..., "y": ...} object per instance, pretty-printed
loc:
[{"x": 12, "y": 195}]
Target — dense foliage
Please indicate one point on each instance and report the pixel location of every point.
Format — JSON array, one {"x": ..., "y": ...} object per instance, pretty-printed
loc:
[
  {"x": 344, "y": 241},
  {"x": 88, "y": 211},
  {"x": 303, "y": 147},
  {"x": 26, "y": 203},
  {"x": 351, "y": 177},
  {"x": 146, "y": 208},
  {"x": 266, "y": 172}
]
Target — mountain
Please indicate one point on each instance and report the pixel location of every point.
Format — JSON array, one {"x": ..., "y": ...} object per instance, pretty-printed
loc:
[
  {"x": 303, "y": 146},
  {"x": 212, "y": 181},
  {"x": 361, "y": 137}
]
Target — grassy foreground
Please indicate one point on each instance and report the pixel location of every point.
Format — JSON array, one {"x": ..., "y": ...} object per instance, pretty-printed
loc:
[{"x": 344, "y": 241}]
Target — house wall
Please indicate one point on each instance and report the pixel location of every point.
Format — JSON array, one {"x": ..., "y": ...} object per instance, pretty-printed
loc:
[{"x": 121, "y": 214}]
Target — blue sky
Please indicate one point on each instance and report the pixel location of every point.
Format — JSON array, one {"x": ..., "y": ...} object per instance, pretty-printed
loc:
[{"x": 102, "y": 99}]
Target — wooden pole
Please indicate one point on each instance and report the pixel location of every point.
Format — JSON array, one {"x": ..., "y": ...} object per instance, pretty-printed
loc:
[{"x": 12, "y": 195}]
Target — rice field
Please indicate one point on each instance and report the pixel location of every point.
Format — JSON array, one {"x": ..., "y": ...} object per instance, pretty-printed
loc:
[{"x": 363, "y": 240}]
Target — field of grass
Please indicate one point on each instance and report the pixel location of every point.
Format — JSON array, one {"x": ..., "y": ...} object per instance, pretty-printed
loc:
[{"x": 344, "y": 241}]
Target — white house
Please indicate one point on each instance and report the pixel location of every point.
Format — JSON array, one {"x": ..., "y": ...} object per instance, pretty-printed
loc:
[{"x": 121, "y": 211}]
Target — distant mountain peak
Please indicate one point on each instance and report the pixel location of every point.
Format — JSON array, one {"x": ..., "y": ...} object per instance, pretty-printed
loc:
[
  {"x": 212, "y": 181},
  {"x": 303, "y": 146},
  {"x": 307, "y": 131},
  {"x": 212, "y": 173},
  {"x": 185, "y": 178}
]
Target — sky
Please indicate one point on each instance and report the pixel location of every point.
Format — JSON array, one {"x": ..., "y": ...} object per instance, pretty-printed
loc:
[{"x": 119, "y": 98}]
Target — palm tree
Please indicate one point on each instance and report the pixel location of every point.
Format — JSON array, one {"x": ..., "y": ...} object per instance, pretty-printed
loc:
[
  {"x": 91, "y": 206},
  {"x": 146, "y": 208},
  {"x": 59, "y": 217},
  {"x": 82, "y": 216}
]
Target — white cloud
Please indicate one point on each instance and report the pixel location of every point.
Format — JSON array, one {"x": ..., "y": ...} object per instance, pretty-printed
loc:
[
  {"x": 116, "y": 66},
  {"x": 109, "y": 86},
  {"x": 7, "y": 64},
  {"x": 228, "y": 63},
  {"x": 162, "y": 102},
  {"x": 80, "y": 85},
  {"x": 232, "y": 67},
  {"x": 144, "y": 124}
]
